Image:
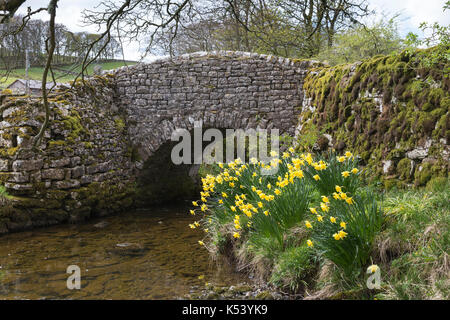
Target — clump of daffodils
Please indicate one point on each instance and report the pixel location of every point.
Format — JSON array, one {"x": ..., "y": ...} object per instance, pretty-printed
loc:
[{"x": 247, "y": 204}]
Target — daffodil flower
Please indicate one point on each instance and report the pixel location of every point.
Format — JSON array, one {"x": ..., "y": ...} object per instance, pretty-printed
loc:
[{"x": 373, "y": 268}]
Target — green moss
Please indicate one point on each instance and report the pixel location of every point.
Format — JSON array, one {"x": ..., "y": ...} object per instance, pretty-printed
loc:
[
  {"x": 423, "y": 174},
  {"x": 8, "y": 152},
  {"x": 437, "y": 184},
  {"x": 404, "y": 169},
  {"x": 88, "y": 145},
  {"x": 120, "y": 124},
  {"x": 412, "y": 106},
  {"x": 56, "y": 143}
]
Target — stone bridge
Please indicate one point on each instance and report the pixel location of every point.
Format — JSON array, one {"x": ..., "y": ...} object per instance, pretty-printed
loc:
[
  {"x": 109, "y": 141},
  {"x": 235, "y": 90}
]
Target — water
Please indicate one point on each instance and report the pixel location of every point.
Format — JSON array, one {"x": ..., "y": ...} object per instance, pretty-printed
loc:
[{"x": 158, "y": 257}]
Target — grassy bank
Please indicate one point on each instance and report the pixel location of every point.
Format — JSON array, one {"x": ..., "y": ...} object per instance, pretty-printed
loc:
[
  {"x": 35, "y": 73},
  {"x": 316, "y": 229}
]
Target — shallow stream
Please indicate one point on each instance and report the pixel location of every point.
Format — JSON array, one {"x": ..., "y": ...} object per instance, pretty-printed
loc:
[{"x": 145, "y": 254}]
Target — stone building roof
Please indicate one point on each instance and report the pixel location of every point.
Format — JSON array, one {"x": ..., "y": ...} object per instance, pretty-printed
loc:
[{"x": 33, "y": 84}]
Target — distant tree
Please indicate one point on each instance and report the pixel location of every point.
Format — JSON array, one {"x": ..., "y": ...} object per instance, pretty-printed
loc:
[
  {"x": 436, "y": 36},
  {"x": 296, "y": 28},
  {"x": 135, "y": 17},
  {"x": 362, "y": 42}
]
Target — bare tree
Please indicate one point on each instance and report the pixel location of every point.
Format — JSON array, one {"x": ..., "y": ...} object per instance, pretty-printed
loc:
[{"x": 137, "y": 17}]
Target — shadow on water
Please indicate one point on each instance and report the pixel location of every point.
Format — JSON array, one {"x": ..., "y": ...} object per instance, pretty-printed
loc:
[{"x": 145, "y": 254}]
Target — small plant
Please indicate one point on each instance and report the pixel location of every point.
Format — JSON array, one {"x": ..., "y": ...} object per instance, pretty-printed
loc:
[
  {"x": 333, "y": 170},
  {"x": 345, "y": 229},
  {"x": 293, "y": 267},
  {"x": 3, "y": 193}
]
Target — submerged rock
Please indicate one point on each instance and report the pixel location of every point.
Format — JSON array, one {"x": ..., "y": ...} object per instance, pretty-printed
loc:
[
  {"x": 128, "y": 249},
  {"x": 101, "y": 224}
]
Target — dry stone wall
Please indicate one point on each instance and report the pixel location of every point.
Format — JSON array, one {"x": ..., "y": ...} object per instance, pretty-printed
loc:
[{"x": 82, "y": 166}]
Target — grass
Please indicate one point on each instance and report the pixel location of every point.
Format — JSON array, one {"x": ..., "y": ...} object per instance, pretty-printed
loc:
[
  {"x": 35, "y": 73},
  {"x": 403, "y": 233},
  {"x": 413, "y": 249}
]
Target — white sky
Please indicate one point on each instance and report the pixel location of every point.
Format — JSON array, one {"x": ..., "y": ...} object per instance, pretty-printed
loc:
[{"x": 413, "y": 12}]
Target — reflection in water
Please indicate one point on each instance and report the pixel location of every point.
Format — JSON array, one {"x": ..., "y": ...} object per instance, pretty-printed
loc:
[{"x": 149, "y": 254}]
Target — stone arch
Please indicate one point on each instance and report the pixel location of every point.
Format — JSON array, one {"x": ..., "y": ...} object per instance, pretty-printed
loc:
[{"x": 223, "y": 89}]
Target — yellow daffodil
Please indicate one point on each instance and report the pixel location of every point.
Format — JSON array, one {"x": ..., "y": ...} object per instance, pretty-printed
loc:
[
  {"x": 277, "y": 192},
  {"x": 201, "y": 243},
  {"x": 324, "y": 207},
  {"x": 316, "y": 177},
  {"x": 333, "y": 219},
  {"x": 192, "y": 212},
  {"x": 343, "y": 224},
  {"x": 236, "y": 235},
  {"x": 355, "y": 170},
  {"x": 309, "y": 243},
  {"x": 338, "y": 189},
  {"x": 345, "y": 174},
  {"x": 348, "y": 154},
  {"x": 373, "y": 268},
  {"x": 341, "y": 159},
  {"x": 308, "y": 224},
  {"x": 313, "y": 210},
  {"x": 342, "y": 234},
  {"x": 325, "y": 199},
  {"x": 319, "y": 218},
  {"x": 194, "y": 203}
]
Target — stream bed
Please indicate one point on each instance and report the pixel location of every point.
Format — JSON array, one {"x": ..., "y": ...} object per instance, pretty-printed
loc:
[{"x": 143, "y": 254}]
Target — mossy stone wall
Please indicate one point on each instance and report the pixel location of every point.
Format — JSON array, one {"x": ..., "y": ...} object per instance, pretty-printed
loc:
[
  {"x": 80, "y": 169},
  {"x": 392, "y": 111}
]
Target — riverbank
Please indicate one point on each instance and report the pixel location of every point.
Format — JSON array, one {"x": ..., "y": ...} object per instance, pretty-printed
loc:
[
  {"x": 320, "y": 254},
  {"x": 152, "y": 254}
]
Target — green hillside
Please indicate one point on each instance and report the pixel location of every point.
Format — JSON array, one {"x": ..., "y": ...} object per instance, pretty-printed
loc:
[{"x": 35, "y": 73}]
